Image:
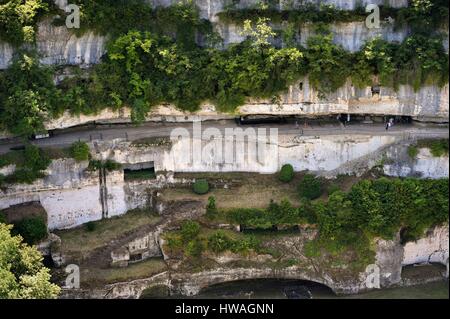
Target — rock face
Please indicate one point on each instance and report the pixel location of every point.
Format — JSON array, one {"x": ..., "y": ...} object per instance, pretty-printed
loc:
[
  {"x": 432, "y": 248},
  {"x": 58, "y": 46},
  {"x": 425, "y": 165},
  {"x": 389, "y": 260},
  {"x": 327, "y": 155}
]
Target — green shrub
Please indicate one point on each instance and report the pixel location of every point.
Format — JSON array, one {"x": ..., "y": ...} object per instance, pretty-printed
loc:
[
  {"x": 219, "y": 242},
  {"x": 333, "y": 188},
  {"x": 201, "y": 186},
  {"x": 211, "y": 209},
  {"x": 80, "y": 151},
  {"x": 286, "y": 173},
  {"x": 32, "y": 229},
  {"x": 310, "y": 187},
  {"x": 91, "y": 226},
  {"x": 413, "y": 151},
  {"x": 245, "y": 245},
  {"x": 194, "y": 248},
  {"x": 174, "y": 242},
  {"x": 189, "y": 230}
]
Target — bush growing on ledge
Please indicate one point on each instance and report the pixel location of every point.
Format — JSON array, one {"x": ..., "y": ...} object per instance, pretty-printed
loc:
[
  {"x": 189, "y": 230},
  {"x": 211, "y": 209},
  {"x": 286, "y": 173},
  {"x": 437, "y": 148},
  {"x": 30, "y": 164},
  {"x": 31, "y": 229},
  {"x": 194, "y": 248},
  {"x": 201, "y": 186},
  {"x": 80, "y": 151},
  {"x": 310, "y": 187},
  {"x": 413, "y": 151},
  {"x": 218, "y": 242}
]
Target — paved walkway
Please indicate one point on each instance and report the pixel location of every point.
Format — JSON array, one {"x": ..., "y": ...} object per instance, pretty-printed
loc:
[{"x": 134, "y": 132}]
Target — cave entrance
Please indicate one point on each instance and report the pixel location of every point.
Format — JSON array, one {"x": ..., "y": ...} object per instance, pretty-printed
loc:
[
  {"x": 135, "y": 258},
  {"x": 267, "y": 288},
  {"x": 139, "y": 171}
]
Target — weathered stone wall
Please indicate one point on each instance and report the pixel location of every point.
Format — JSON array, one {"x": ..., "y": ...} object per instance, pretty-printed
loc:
[
  {"x": 425, "y": 165},
  {"x": 433, "y": 247},
  {"x": 319, "y": 154}
]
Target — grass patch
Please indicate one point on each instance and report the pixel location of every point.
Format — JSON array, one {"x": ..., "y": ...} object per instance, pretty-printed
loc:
[
  {"x": 91, "y": 277},
  {"x": 81, "y": 240}
]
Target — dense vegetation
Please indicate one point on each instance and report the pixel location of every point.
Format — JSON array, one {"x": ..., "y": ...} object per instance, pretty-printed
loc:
[
  {"x": 347, "y": 222},
  {"x": 161, "y": 62},
  {"x": 30, "y": 164},
  {"x": 22, "y": 274},
  {"x": 373, "y": 208},
  {"x": 192, "y": 241},
  {"x": 18, "y": 19},
  {"x": 421, "y": 15}
]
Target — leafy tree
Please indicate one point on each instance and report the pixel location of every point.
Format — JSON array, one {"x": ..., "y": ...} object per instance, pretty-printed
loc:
[
  {"x": 80, "y": 151},
  {"x": 310, "y": 187},
  {"x": 18, "y": 19},
  {"x": 22, "y": 274},
  {"x": 260, "y": 33},
  {"x": 328, "y": 64},
  {"x": 27, "y": 96}
]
